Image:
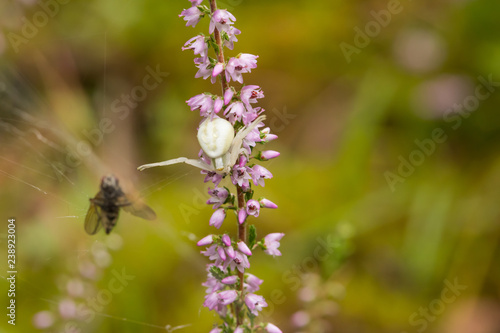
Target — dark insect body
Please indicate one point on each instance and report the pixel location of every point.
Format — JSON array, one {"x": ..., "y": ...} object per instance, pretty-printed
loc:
[{"x": 105, "y": 207}]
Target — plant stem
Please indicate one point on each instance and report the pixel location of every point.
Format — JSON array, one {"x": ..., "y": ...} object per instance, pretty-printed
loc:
[
  {"x": 242, "y": 228},
  {"x": 241, "y": 195},
  {"x": 220, "y": 54}
]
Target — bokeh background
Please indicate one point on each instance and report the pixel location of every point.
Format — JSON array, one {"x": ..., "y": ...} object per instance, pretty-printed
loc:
[{"x": 401, "y": 223}]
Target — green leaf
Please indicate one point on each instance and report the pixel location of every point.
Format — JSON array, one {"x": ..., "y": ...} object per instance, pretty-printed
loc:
[
  {"x": 252, "y": 235},
  {"x": 217, "y": 273},
  {"x": 249, "y": 195},
  {"x": 216, "y": 48}
]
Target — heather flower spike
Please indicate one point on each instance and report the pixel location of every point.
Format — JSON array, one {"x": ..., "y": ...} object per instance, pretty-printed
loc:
[{"x": 230, "y": 130}]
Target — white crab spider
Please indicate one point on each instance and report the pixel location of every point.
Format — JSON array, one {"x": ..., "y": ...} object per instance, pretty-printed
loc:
[{"x": 217, "y": 139}]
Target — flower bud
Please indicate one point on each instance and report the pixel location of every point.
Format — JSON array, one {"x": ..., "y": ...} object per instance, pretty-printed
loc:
[
  {"x": 242, "y": 215},
  {"x": 205, "y": 241},
  {"x": 267, "y": 204},
  {"x": 217, "y": 218},
  {"x": 218, "y": 69},
  {"x": 230, "y": 252},
  {"x": 226, "y": 240},
  {"x": 230, "y": 279},
  {"x": 244, "y": 248},
  {"x": 221, "y": 253},
  {"x": 228, "y": 95},
  {"x": 253, "y": 207},
  {"x": 268, "y": 154},
  {"x": 270, "y": 328},
  {"x": 218, "y": 104}
]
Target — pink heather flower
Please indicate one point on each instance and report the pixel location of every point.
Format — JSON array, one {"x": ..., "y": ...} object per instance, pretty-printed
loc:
[
  {"x": 259, "y": 173},
  {"x": 270, "y": 328},
  {"x": 67, "y": 309},
  {"x": 253, "y": 283},
  {"x": 234, "y": 112},
  {"x": 228, "y": 95},
  {"x": 269, "y": 154},
  {"x": 249, "y": 94},
  {"x": 267, "y": 204},
  {"x": 218, "y": 104},
  {"x": 266, "y": 136},
  {"x": 207, "y": 160},
  {"x": 212, "y": 283},
  {"x": 222, "y": 253},
  {"x": 216, "y": 330},
  {"x": 234, "y": 70},
  {"x": 217, "y": 218},
  {"x": 202, "y": 102},
  {"x": 242, "y": 64},
  {"x": 222, "y": 20},
  {"x": 251, "y": 115},
  {"x": 240, "y": 174},
  {"x": 272, "y": 242},
  {"x": 239, "y": 329},
  {"x": 231, "y": 34},
  {"x": 211, "y": 300},
  {"x": 226, "y": 240},
  {"x": 255, "y": 303},
  {"x": 251, "y": 139},
  {"x": 212, "y": 176},
  {"x": 204, "y": 71},
  {"x": 218, "y": 68},
  {"x": 43, "y": 320},
  {"x": 206, "y": 241},
  {"x": 240, "y": 262},
  {"x": 196, "y": 2},
  {"x": 242, "y": 215},
  {"x": 246, "y": 187},
  {"x": 243, "y": 248},
  {"x": 230, "y": 279},
  {"x": 218, "y": 196},
  {"x": 192, "y": 16},
  {"x": 213, "y": 254},
  {"x": 253, "y": 207},
  {"x": 198, "y": 45},
  {"x": 227, "y": 297},
  {"x": 248, "y": 61},
  {"x": 230, "y": 252},
  {"x": 300, "y": 318}
]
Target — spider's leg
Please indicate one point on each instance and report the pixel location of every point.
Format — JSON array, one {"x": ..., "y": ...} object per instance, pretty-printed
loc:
[
  {"x": 236, "y": 149},
  {"x": 195, "y": 163},
  {"x": 244, "y": 132}
]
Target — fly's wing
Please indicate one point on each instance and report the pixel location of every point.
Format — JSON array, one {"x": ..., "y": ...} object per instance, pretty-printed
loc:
[
  {"x": 140, "y": 209},
  {"x": 93, "y": 220},
  {"x": 136, "y": 207}
]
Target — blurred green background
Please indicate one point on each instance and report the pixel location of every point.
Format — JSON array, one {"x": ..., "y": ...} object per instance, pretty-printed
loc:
[{"x": 356, "y": 103}]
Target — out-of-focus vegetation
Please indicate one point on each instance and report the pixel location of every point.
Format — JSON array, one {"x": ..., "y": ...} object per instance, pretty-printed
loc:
[{"x": 391, "y": 159}]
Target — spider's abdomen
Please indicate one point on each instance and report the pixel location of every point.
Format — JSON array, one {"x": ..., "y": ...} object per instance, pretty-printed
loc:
[{"x": 215, "y": 137}]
